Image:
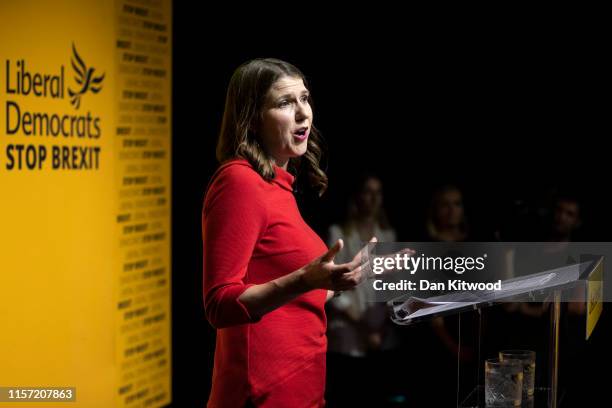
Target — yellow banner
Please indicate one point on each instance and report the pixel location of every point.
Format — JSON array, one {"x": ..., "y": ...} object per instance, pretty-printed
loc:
[
  {"x": 85, "y": 139},
  {"x": 594, "y": 298}
]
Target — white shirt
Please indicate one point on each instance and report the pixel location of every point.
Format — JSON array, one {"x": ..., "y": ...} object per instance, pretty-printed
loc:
[{"x": 354, "y": 314}]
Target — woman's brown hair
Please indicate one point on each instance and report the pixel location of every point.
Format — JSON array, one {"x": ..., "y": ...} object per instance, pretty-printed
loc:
[{"x": 246, "y": 94}]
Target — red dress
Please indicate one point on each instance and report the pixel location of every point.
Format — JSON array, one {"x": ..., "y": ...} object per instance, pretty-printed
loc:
[{"x": 253, "y": 232}]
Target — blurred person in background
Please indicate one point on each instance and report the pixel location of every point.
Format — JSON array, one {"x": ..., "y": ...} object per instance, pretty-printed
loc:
[
  {"x": 446, "y": 220},
  {"x": 566, "y": 219},
  {"x": 361, "y": 337}
]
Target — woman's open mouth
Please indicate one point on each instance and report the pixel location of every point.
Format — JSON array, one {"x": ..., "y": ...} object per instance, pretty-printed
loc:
[{"x": 301, "y": 133}]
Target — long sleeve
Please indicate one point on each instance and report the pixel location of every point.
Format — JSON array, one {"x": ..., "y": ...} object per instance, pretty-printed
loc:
[{"x": 233, "y": 219}]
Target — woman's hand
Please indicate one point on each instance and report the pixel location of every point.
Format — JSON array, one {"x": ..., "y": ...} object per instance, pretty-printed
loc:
[
  {"x": 323, "y": 273},
  {"x": 392, "y": 270}
]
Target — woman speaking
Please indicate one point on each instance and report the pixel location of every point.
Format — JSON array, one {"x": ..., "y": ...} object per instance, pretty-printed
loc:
[{"x": 267, "y": 275}]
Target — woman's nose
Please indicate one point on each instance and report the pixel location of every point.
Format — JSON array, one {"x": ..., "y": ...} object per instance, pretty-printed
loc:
[{"x": 301, "y": 113}]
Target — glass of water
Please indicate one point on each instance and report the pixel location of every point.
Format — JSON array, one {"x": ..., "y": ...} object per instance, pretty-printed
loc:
[
  {"x": 503, "y": 383},
  {"x": 527, "y": 359}
]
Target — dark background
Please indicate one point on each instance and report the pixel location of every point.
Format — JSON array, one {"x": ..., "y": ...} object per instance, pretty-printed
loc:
[{"x": 511, "y": 116}]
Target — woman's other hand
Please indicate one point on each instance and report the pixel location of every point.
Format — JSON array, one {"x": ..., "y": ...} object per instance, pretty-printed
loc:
[{"x": 323, "y": 273}]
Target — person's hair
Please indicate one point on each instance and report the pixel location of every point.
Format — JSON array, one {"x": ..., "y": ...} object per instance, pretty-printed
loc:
[
  {"x": 245, "y": 98},
  {"x": 430, "y": 223},
  {"x": 567, "y": 196},
  {"x": 352, "y": 214}
]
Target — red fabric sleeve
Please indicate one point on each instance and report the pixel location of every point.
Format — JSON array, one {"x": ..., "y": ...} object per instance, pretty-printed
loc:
[{"x": 234, "y": 217}]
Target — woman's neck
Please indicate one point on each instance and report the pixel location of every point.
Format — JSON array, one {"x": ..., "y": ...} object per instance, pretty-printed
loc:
[
  {"x": 366, "y": 220},
  {"x": 451, "y": 233},
  {"x": 366, "y": 227},
  {"x": 281, "y": 163}
]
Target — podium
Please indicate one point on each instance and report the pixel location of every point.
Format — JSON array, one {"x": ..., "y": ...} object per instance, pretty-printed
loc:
[{"x": 476, "y": 314}]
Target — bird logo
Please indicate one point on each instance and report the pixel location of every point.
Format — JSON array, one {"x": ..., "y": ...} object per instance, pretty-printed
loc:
[{"x": 84, "y": 77}]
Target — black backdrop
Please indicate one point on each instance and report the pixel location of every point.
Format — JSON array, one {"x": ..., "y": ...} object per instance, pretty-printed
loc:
[{"x": 507, "y": 116}]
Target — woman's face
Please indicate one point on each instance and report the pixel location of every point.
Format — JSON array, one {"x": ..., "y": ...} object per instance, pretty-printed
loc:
[
  {"x": 370, "y": 197},
  {"x": 286, "y": 120},
  {"x": 449, "y": 211}
]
